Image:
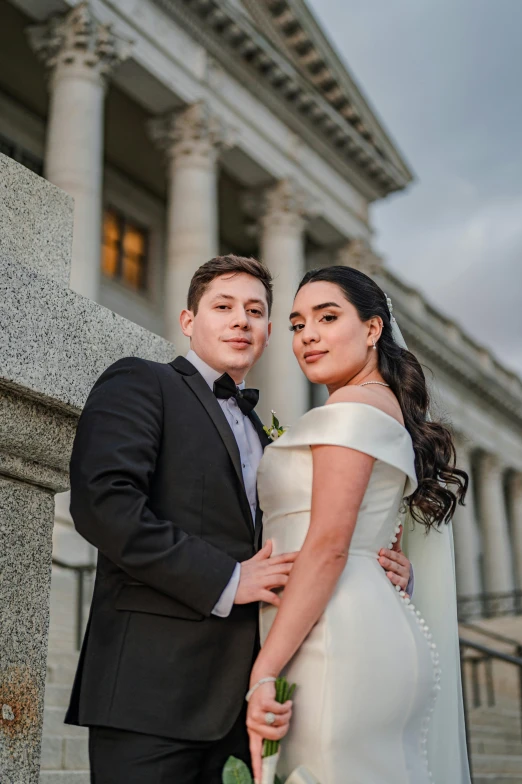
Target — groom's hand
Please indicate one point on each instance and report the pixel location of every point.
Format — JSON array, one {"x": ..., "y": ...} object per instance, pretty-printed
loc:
[
  {"x": 395, "y": 563},
  {"x": 261, "y": 575}
]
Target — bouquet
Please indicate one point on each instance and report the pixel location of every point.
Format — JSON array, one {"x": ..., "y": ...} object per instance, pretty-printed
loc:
[
  {"x": 284, "y": 692},
  {"x": 236, "y": 772}
]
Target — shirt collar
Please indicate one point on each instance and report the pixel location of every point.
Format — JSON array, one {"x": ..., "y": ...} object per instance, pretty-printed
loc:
[{"x": 209, "y": 374}]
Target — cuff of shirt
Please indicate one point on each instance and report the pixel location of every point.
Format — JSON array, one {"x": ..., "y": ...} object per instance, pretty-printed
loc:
[
  {"x": 411, "y": 582},
  {"x": 225, "y": 602}
]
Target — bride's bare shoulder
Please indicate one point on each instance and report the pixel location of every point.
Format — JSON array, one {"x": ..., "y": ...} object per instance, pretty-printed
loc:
[{"x": 380, "y": 398}]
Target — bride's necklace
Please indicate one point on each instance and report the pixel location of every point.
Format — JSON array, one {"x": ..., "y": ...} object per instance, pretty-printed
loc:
[{"x": 373, "y": 382}]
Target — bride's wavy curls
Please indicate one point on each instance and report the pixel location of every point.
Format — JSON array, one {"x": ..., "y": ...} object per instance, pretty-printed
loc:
[{"x": 434, "y": 500}]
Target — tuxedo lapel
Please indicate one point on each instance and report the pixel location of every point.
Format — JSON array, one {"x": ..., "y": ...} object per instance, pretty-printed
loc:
[
  {"x": 265, "y": 441},
  {"x": 259, "y": 429},
  {"x": 206, "y": 397}
]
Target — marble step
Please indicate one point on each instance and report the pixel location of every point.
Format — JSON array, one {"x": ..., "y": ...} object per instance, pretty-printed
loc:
[
  {"x": 64, "y": 777},
  {"x": 496, "y": 778},
  {"x": 53, "y": 724},
  {"x": 497, "y": 764},
  {"x": 62, "y": 752},
  {"x": 57, "y": 695},
  {"x": 495, "y": 745}
]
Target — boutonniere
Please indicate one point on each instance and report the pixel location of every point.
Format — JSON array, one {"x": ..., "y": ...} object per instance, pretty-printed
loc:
[{"x": 274, "y": 430}]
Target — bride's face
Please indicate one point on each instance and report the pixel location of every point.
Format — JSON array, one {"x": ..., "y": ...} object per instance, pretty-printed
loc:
[{"x": 332, "y": 345}]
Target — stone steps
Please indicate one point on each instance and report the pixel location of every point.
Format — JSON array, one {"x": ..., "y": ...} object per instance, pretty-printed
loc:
[
  {"x": 65, "y": 758},
  {"x": 498, "y": 763},
  {"x": 63, "y": 752},
  {"x": 496, "y": 778},
  {"x": 496, "y": 744},
  {"x": 496, "y": 741}
]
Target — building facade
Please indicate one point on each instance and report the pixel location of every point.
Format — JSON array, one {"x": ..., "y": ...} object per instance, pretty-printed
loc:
[{"x": 187, "y": 128}]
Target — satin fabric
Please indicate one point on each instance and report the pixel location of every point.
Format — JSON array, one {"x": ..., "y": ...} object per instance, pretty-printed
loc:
[{"x": 367, "y": 673}]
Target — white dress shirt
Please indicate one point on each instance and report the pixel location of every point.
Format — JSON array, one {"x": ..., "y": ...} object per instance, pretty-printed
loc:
[{"x": 250, "y": 453}]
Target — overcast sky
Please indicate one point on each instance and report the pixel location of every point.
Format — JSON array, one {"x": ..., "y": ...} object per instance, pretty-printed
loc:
[{"x": 445, "y": 77}]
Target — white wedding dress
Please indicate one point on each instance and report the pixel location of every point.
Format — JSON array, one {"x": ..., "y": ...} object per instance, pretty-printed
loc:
[{"x": 368, "y": 673}]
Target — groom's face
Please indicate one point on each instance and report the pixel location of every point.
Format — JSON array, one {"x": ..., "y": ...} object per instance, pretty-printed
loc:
[{"x": 231, "y": 327}]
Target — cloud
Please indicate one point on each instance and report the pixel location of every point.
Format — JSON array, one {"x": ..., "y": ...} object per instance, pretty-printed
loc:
[{"x": 444, "y": 78}]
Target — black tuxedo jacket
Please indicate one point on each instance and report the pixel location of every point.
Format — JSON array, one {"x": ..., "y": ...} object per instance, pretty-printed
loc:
[{"x": 157, "y": 487}]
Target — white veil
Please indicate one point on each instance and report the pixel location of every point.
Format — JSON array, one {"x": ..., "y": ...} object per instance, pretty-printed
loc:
[{"x": 433, "y": 559}]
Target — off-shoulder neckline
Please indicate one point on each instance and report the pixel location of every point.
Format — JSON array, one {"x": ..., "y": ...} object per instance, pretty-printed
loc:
[{"x": 357, "y": 403}]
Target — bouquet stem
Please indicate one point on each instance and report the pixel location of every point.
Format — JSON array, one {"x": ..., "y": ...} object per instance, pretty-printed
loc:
[{"x": 283, "y": 693}]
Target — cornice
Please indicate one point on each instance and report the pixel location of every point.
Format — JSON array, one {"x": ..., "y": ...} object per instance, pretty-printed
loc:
[
  {"x": 428, "y": 332},
  {"x": 294, "y": 29},
  {"x": 232, "y": 40}
]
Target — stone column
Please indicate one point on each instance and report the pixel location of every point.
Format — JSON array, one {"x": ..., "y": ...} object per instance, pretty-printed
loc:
[
  {"x": 465, "y": 533},
  {"x": 283, "y": 221},
  {"x": 515, "y": 513},
  {"x": 80, "y": 53},
  {"x": 498, "y": 566},
  {"x": 358, "y": 253},
  {"x": 192, "y": 140}
]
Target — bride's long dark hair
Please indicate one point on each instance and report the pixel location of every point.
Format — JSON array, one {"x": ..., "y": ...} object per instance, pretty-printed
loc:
[{"x": 434, "y": 500}]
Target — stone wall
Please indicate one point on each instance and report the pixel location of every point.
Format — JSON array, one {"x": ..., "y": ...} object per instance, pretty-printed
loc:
[{"x": 53, "y": 345}]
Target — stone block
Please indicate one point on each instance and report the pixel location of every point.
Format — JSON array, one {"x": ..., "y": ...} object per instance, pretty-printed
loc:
[
  {"x": 36, "y": 222},
  {"x": 57, "y": 695},
  {"x": 54, "y": 725},
  {"x": 64, "y": 777},
  {"x": 76, "y": 753},
  {"x": 26, "y": 520},
  {"x": 54, "y": 343},
  {"x": 52, "y": 753}
]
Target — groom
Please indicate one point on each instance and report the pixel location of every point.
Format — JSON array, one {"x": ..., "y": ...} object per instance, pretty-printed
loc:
[{"x": 163, "y": 476}]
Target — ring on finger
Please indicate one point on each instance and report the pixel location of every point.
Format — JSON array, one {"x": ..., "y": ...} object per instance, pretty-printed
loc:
[{"x": 270, "y": 718}]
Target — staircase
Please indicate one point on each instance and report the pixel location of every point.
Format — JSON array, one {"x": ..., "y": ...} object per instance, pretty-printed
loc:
[
  {"x": 64, "y": 758},
  {"x": 495, "y": 731},
  {"x": 493, "y": 678},
  {"x": 495, "y": 734},
  {"x": 64, "y": 748},
  {"x": 496, "y": 745}
]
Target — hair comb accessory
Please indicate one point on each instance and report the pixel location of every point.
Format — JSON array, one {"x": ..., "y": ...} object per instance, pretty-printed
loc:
[{"x": 390, "y": 307}]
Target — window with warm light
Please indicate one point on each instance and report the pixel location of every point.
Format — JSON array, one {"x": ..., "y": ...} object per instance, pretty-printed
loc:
[{"x": 125, "y": 250}]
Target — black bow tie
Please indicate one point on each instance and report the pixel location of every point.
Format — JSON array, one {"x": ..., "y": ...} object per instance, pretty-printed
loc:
[{"x": 246, "y": 399}]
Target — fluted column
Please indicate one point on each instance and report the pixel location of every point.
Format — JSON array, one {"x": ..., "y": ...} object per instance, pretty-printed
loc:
[
  {"x": 192, "y": 140},
  {"x": 498, "y": 565},
  {"x": 282, "y": 228},
  {"x": 80, "y": 53},
  {"x": 465, "y": 533},
  {"x": 515, "y": 513}
]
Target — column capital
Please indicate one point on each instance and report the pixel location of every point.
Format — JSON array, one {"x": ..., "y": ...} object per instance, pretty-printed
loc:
[
  {"x": 77, "y": 41},
  {"x": 463, "y": 443},
  {"x": 491, "y": 465},
  {"x": 285, "y": 205},
  {"x": 193, "y": 132},
  {"x": 358, "y": 253}
]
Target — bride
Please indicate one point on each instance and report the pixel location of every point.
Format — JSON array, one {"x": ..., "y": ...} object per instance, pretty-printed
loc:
[{"x": 378, "y": 697}]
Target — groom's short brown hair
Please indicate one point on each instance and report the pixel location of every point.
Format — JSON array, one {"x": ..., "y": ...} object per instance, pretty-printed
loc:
[{"x": 221, "y": 265}]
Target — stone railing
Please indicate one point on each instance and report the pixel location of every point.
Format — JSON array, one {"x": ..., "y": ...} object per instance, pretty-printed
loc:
[{"x": 53, "y": 345}]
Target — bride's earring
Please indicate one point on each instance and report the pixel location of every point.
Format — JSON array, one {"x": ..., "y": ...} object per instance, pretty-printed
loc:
[{"x": 374, "y": 344}]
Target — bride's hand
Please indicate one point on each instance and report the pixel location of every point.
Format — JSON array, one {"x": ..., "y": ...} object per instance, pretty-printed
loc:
[{"x": 261, "y": 702}]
